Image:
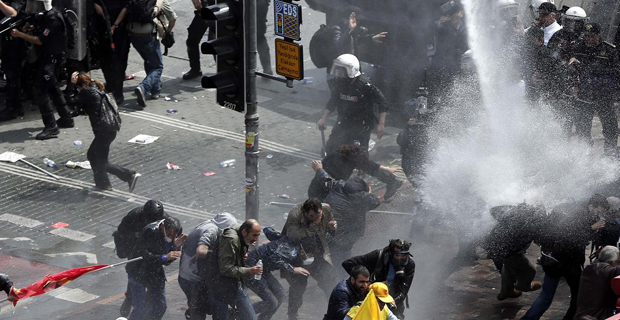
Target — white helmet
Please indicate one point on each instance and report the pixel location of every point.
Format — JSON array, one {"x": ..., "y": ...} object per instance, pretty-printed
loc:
[
  {"x": 536, "y": 3},
  {"x": 574, "y": 19},
  {"x": 506, "y": 9},
  {"x": 36, "y": 6},
  {"x": 346, "y": 66}
]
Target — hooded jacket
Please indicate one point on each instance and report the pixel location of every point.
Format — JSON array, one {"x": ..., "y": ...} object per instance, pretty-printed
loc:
[
  {"x": 89, "y": 100},
  {"x": 350, "y": 201},
  {"x": 278, "y": 254},
  {"x": 151, "y": 246}
]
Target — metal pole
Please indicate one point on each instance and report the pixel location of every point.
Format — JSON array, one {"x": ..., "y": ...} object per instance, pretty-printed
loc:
[
  {"x": 38, "y": 168},
  {"x": 251, "y": 116}
]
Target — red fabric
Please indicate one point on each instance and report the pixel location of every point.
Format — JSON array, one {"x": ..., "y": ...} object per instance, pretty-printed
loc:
[{"x": 51, "y": 282}]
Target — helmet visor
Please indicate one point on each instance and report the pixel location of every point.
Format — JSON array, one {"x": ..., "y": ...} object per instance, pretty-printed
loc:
[{"x": 339, "y": 71}]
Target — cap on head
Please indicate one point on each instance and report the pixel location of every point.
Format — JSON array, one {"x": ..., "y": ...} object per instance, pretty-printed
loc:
[
  {"x": 547, "y": 8},
  {"x": 592, "y": 28},
  {"x": 381, "y": 292}
]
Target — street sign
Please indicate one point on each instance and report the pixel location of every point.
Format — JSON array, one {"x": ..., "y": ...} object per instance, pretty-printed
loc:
[
  {"x": 287, "y": 18},
  {"x": 289, "y": 59}
]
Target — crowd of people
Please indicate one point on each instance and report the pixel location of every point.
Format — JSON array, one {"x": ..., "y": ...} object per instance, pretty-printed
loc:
[{"x": 217, "y": 265}]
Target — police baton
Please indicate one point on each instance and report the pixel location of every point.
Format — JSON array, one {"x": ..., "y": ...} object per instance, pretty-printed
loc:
[{"x": 324, "y": 151}]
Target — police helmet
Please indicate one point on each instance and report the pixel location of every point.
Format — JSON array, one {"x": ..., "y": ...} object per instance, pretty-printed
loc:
[
  {"x": 346, "y": 66},
  {"x": 574, "y": 19},
  {"x": 154, "y": 210}
]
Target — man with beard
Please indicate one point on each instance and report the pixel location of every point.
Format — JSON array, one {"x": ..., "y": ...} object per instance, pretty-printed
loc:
[
  {"x": 347, "y": 293},
  {"x": 393, "y": 265}
]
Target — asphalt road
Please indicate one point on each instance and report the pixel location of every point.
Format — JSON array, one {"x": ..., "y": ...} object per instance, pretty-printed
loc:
[{"x": 197, "y": 136}]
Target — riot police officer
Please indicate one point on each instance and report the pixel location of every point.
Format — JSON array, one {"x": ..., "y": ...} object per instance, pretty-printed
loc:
[
  {"x": 12, "y": 52},
  {"x": 597, "y": 63},
  {"x": 50, "y": 38},
  {"x": 356, "y": 100}
]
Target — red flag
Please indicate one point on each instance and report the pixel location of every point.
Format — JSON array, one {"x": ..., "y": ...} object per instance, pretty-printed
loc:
[{"x": 51, "y": 282}]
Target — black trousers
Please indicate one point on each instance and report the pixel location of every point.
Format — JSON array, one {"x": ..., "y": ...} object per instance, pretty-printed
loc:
[
  {"x": 320, "y": 270},
  {"x": 98, "y": 153},
  {"x": 346, "y": 133},
  {"x": 13, "y": 56},
  {"x": 114, "y": 62},
  {"x": 262, "y": 9},
  {"x": 46, "y": 89},
  {"x": 196, "y": 30},
  {"x": 608, "y": 117}
]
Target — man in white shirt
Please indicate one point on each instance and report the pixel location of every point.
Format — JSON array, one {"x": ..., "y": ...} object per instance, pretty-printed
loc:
[{"x": 547, "y": 19}]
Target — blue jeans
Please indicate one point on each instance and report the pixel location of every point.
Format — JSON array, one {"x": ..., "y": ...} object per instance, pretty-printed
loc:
[
  {"x": 243, "y": 305},
  {"x": 149, "y": 49},
  {"x": 270, "y": 291},
  {"x": 148, "y": 302},
  {"x": 572, "y": 274}
]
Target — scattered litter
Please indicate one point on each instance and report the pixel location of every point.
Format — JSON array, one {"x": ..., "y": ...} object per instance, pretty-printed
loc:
[
  {"x": 172, "y": 166},
  {"x": 59, "y": 225},
  {"x": 167, "y": 98},
  {"x": 195, "y": 98},
  {"x": 283, "y": 196},
  {"x": 172, "y": 110},
  {"x": 260, "y": 148},
  {"x": 269, "y": 156},
  {"x": 77, "y": 143},
  {"x": 176, "y": 100},
  {"x": 85, "y": 190},
  {"x": 49, "y": 162},
  {"x": 83, "y": 164},
  {"x": 156, "y": 127},
  {"x": 130, "y": 77},
  {"x": 208, "y": 174},
  {"x": 11, "y": 156},
  {"x": 286, "y": 216},
  {"x": 228, "y": 163},
  {"x": 143, "y": 139},
  {"x": 309, "y": 127}
]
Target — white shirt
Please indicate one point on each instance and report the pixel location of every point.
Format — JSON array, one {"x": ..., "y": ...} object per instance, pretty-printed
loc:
[{"x": 551, "y": 30}]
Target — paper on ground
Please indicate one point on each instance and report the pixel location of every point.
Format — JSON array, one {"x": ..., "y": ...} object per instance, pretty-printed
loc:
[
  {"x": 143, "y": 139},
  {"x": 11, "y": 156}
]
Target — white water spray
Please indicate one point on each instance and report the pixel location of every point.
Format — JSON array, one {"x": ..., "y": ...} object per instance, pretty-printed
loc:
[{"x": 503, "y": 152}]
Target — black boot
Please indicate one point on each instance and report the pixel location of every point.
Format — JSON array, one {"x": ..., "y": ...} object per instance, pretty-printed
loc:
[
  {"x": 393, "y": 183},
  {"x": 51, "y": 129},
  {"x": 66, "y": 118},
  {"x": 11, "y": 113}
]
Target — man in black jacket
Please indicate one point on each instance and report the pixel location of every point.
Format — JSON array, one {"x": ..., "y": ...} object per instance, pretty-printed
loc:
[
  {"x": 350, "y": 201},
  {"x": 347, "y": 293},
  {"x": 392, "y": 264},
  {"x": 158, "y": 246},
  {"x": 128, "y": 232}
]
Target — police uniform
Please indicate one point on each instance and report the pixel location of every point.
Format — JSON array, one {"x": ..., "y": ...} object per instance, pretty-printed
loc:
[
  {"x": 355, "y": 103},
  {"x": 597, "y": 90},
  {"x": 50, "y": 29},
  {"x": 13, "y": 53},
  {"x": 196, "y": 30},
  {"x": 114, "y": 62}
]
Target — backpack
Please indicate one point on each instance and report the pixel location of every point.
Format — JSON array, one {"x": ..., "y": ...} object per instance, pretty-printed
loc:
[
  {"x": 122, "y": 244},
  {"x": 321, "y": 50},
  {"x": 142, "y": 11},
  {"x": 108, "y": 112}
]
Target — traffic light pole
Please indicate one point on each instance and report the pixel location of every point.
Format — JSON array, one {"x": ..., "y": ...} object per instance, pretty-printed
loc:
[{"x": 251, "y": 116}]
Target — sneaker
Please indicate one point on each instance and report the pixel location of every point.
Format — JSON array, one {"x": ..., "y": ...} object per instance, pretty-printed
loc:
[
  {"x": 125, "y": 308},
  {"x": 392, "y": 188},
  {"x": 65, "y": 123},
  {"x": 535, "y": 285},
  {"x": 48, "y": 133},
  {"x": 132, "y": 181},
  {"x": 141, "y": 98},
  {"x": 191, "y": 74}
]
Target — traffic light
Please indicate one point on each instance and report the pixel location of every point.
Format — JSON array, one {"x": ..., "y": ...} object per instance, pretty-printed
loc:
[{"x": 228, "y": 49}]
